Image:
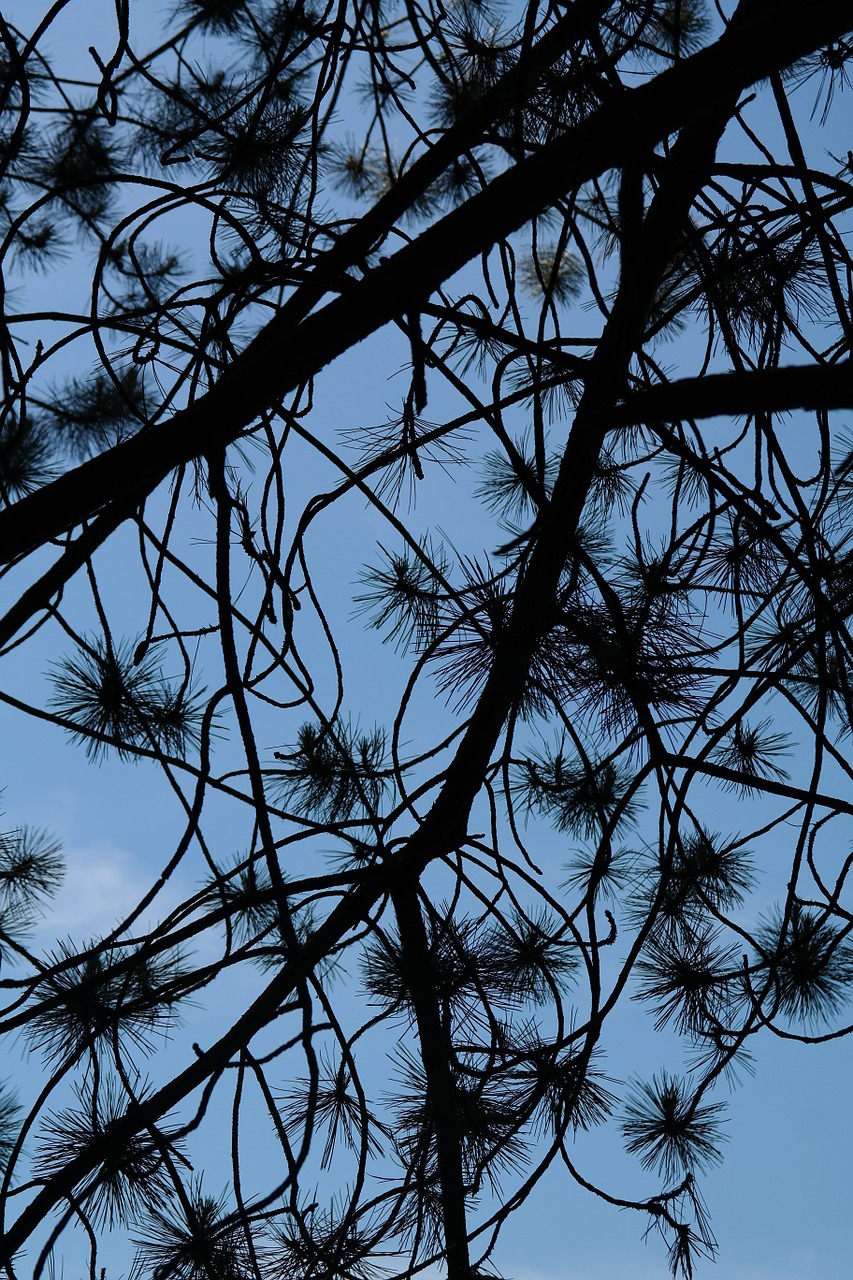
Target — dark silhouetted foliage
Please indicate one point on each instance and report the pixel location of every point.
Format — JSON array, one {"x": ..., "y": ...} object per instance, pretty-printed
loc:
[{"x": 516, "y": 339}]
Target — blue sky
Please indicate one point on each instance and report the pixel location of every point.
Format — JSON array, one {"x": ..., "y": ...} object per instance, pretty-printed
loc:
[{"x": 779, "y": 1202}]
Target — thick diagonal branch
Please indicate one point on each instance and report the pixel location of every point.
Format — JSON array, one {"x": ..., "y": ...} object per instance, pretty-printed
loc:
[{"x": 284, "y": 355}]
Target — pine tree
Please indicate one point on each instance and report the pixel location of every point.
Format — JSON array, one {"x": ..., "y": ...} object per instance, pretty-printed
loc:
[{"x": 603, "y": 531}]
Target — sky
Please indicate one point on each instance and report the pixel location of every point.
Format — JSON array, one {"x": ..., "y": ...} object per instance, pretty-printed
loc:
[{"x": 780, "y": 1200}]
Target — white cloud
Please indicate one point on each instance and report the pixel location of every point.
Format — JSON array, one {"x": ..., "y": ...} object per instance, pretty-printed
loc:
[{"x": 103, "y": 883}]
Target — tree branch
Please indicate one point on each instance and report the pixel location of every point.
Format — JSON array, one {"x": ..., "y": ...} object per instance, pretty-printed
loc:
[
  {"x": 282, "y": 357},
  {"x": 741, "y": 392}
]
